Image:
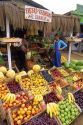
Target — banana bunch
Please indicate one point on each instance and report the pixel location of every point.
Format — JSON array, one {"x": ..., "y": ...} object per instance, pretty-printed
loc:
[
  {"x": 75, "y": 78},
  {"x": 58, "y": 90},
  {"x": 38, "y": 98},
  {"x": 52, "y": 109},
  {"x": 71, "y": 97},
  {"x": 17, "y": 78},
  {"x": 9, "y": 98},
  {"x": 63, "y": 59}
]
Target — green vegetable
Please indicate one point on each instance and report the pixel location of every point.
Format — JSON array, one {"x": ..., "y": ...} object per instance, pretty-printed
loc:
[{"x": 1, "y": 60}]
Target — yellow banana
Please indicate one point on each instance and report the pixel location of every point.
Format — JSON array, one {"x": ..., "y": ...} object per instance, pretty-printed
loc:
[
  {"x": 38, "y": 97},
  {"x": 56, "y": 108},
  {"x": 58, "y": 90},
  {"x": 13, "y": 98},
  {"x": 72, "y": 97},
  {"x": 52, "y": 108},
  {"x": 48, "y": 111},
  {"x": 69, "y": 98},
  {"x": 7, "y": 95}
]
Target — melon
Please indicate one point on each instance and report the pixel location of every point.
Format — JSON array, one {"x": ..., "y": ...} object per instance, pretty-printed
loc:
[
  {"x": 30, "y": 72},
  {"x": 3, "y": 69},
  {"x": 36, "y": 68},
  {"x": 66, "y": 65},
  {"x": 22, "y": 73},
  {"x": 10, "y": 74}
]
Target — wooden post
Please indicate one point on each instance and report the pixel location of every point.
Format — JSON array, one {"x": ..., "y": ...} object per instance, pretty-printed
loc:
[{"x": 8, "y": 45}]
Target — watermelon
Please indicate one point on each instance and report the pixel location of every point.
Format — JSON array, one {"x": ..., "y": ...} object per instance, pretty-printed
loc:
[
  {"x": 78, "y": 68},
  {"x": 74, "y": 61},
  {"x": 66, "y": 65},
  {"x": 79, "y": 63},
  {"x": 71, "y": 65}
]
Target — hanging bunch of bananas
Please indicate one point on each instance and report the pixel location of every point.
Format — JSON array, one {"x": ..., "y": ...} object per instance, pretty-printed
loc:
[
  {"x": 38, "y": 98},
  {"x": 71, "y": 97},
  {"x": 52, "y": 109},
  {"x": 10, "y": 97}
]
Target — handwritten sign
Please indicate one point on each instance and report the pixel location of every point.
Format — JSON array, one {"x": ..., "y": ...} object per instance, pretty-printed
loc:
[{"x": 33, "y": 13}]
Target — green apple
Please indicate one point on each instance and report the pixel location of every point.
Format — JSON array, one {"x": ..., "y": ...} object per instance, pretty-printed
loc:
[
  {"x": 65, "y": 113},
  {"x": 62, "y": 115},
  {"x": 69, "y": 107},
  {"x": 76, "y": 113},
  {"x": 66, "y": 117},
  {"x": 62, "y": 111},
  {"x": 73, "y": 117},
  {"x": 69, "y": 115},
  {"x": 63, "y": 120},
  {"x": 64, "y": 124},
  {"x": 66, "y": 109},
  {"x": 67, "y": 122}
]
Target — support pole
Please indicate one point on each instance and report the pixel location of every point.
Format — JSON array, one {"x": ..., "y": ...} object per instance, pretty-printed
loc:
[
  {"x": 8, "y": 45},
  {"x": 69, "y": 54}
]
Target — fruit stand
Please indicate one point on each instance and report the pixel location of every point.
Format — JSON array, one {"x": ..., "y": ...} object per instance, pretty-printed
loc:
[{"x": 40, "y": 96}]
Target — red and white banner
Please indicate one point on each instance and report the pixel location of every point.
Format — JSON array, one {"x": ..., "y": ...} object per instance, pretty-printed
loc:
[{"x": 33, "y": 13}]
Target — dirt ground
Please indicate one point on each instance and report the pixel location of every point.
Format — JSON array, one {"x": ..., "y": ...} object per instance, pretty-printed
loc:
[{"x": 74, "y": 55}]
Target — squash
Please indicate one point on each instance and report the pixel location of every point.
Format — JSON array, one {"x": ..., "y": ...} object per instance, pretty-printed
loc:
[
  {"x": 30, "y": 72},
  {"x": 22, "y": 73},
  {"x": 10, "y": 74},
  {"x": 3, "y": 69},
  {"x": 36, "y": 68}
]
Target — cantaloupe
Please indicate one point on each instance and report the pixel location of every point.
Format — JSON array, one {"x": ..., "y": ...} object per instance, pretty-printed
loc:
[
  {"x": 10, "y": 74},
  {"x": 36, "y": 68},
  {"x": 3, "y": 69}
]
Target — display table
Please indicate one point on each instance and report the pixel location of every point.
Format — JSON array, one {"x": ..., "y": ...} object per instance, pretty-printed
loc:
[
  {"x": 10, "y": 41},
  {"x": 72, "y": 40}
]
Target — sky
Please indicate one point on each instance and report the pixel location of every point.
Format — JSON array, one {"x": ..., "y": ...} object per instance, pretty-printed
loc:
[{"x": 60, "y": 6}]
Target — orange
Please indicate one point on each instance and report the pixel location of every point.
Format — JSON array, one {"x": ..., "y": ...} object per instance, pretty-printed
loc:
[
  {"x": 28, "y": 116},
  {"x": 23, "y": 105},
  {"x": 33, "y": 111},
  {"x": 21, "y": 117},
  {"x": 28, "y": 112},
  {"x": 22, "y": 112},
  {"x": 36, "y": 109},
  {"x": 16, "y": 119},
  {"x": 25, "y": 119},
  {"x": 14, "y": 116},
  {"x": 19, "y": 122},
  {"x": 25, "y": 109},
  {"x": 30, "y": 107}
]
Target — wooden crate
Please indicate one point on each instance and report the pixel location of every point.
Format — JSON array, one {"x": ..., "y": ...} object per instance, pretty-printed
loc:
[{"x": 10, "y": 119}]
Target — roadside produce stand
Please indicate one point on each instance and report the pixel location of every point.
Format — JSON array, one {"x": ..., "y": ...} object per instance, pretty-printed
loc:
[{"x": 26, "y": 98}]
